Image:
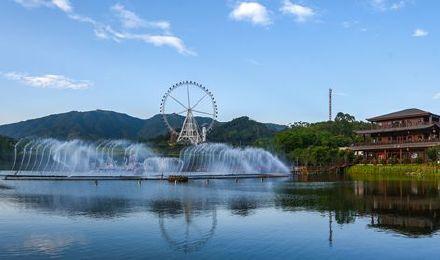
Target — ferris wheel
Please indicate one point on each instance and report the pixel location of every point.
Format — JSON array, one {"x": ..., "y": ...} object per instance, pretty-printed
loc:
[{"x": 196, "y": 103}]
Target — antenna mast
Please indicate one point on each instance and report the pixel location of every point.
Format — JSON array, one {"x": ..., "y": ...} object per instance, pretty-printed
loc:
[{"x": 330, "y": 104}]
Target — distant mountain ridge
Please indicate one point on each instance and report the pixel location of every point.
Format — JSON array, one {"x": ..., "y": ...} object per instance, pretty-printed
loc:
[{"x": 102, "y": 124}]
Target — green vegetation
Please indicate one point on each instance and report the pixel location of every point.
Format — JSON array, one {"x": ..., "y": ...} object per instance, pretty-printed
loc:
[
  {"x": 100, "y": 124},
  {"x": 433, "y": 154},
  {"x": 319, "y": 144},
  {"x": 397, "y": 171},
  {"x": 241, "y": 131},
  {"x": 6, "y": 152}
]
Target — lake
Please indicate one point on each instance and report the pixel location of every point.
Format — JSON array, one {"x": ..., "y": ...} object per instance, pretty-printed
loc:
[{"x": 309, "y": 217}]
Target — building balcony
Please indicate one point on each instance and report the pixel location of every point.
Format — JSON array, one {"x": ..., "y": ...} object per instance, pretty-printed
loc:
[
  {"x": 396, "y": 144},
  {"x": 400, "y": 125},
  {"x": 377, "y": 129}
]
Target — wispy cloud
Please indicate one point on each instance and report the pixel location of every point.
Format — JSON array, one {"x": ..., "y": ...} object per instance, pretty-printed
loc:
[
  {"x": 129, "y": 20},
  {"x": 63, "y": 5},
  {"x": 349, "y": 24},
  {"x": 420, "y": 33},
  {"x": 253, "y": 62},
  {"x": 353, "y": 25},
  {"x": 252, "y": 12},
  {"x": 300, "y": 12},
  {"x": 436, "y": 95},
  {"x": 387, "y": 5},
  {"x": 47, "y": 81}
]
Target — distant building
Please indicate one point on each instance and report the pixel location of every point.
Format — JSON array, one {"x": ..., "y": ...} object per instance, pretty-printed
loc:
[{"x": 402, "y": 136}]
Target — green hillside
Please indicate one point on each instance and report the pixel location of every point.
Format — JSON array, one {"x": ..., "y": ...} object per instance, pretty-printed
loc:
[{"x": 100, "y": 124}]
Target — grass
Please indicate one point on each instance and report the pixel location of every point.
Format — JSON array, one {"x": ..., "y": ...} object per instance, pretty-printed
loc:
[{"x": 396, "y": 171}]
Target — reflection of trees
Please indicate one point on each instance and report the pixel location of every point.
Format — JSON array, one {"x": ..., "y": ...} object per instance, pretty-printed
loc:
[
  {"x": 322, "y": 197},
  {"x": 242, "y": 206},
  {"x": 96, "y": 207},
  {"x": 188, "y": 214},
  {"x": 407, "y": 207}
]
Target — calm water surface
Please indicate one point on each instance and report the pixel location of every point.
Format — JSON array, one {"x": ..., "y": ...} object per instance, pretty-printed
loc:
[{"x": 252, "y": 219}]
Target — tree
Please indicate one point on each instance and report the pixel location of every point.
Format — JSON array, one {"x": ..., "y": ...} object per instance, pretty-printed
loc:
[
  {"x": 433, "y": 153},
  {"x": 344, "y": 117},
  {"x": 319, "y": 144}
]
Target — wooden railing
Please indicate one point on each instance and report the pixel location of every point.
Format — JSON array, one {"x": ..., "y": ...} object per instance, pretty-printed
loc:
[
  {"x": 432, "y": 140},
  {"x": 402, "y": 125}
]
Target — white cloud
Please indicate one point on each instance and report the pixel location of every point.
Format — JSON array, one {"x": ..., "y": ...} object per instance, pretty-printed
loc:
[
  {"x": 302, "y": 13},
  {"x": 420, "y": 33},
  {"x": 436, "y": 95},
  {"x": 32, "y": 3},
  {"x": 349, "y": 24},
  {"x": 398, "y": 5},
  {"x": 63, "y": 5},
  {"x": 128, "y": 18},
  {"x": 47, "y": 81},
  {"x": 129, "y": 21},
  {"x": 386, "y": 5},
  {"x": 107, "y": 32},
  {"x": 252, "y": 12},
  {"x": 160, "y": 40}
]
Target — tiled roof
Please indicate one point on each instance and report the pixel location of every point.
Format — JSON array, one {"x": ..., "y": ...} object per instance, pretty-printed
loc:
[{"x": 411, "y": 112}]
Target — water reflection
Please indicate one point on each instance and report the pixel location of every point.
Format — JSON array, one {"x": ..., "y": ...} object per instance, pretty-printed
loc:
[
  {"x": 410, "y": 207},
  {"x": 188, "y": 216}
]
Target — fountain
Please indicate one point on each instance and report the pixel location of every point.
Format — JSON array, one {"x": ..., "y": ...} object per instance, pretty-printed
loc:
[
  {"x": 51, "y": 157},
  {"x": 222, "y": 158}
]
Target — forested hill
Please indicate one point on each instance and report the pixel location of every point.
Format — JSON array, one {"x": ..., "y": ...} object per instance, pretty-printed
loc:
[
  {"x": 6, "y": 151},
  {"x": 100, "y": 124},
  {"x": 86, "y": 125},
  {"x": 242, "y": 131}
]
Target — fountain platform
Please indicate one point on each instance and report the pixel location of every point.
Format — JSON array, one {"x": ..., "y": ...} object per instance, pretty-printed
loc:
[{"x": 191, "y": 176}]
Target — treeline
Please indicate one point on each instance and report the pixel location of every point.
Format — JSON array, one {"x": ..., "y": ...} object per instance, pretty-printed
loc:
[
  {"x": 6, "y": 152},
  {"x": 318, "y": 144}
]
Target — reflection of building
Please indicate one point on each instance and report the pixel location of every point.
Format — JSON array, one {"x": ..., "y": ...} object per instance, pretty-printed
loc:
[
  {"x": 411, "y": 208},
  {"x": 402, "y": 135},
  {"x": 408, "y": 208}
]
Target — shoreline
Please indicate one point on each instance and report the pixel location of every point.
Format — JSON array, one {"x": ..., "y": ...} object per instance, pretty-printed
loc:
[{"x": 394, "y": 170}]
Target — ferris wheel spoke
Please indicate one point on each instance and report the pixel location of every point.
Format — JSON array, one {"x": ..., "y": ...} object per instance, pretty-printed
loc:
[
  {"x": 198, "y": 102},
  {"x": 180, "y": 103},
  {"x": 187, "y": 92},
  {"x": 201, "y": 112},
  {"x": 181, "y": 112}
]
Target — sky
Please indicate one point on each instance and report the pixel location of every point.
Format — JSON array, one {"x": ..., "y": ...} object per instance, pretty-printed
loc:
[{"x": 273, "y": 61}]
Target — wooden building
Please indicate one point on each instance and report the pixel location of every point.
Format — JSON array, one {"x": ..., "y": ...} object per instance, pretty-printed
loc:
[{"x": 402, "y": 136}]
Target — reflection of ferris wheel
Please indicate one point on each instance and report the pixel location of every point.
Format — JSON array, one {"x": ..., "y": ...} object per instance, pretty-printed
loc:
[
  {"x": 190, "y": 232},
  {"x": 196, "y": 103}
]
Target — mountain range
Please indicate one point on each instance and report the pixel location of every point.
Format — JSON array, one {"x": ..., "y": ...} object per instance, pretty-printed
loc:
[{"x": 101, "y": 124}]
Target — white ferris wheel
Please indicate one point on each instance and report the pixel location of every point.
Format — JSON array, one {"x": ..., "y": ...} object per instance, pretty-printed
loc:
[{"x": 196, "y": 103}]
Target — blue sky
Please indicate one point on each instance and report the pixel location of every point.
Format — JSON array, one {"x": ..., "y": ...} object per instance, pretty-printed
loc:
[{"x": 271, "y": 60}]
